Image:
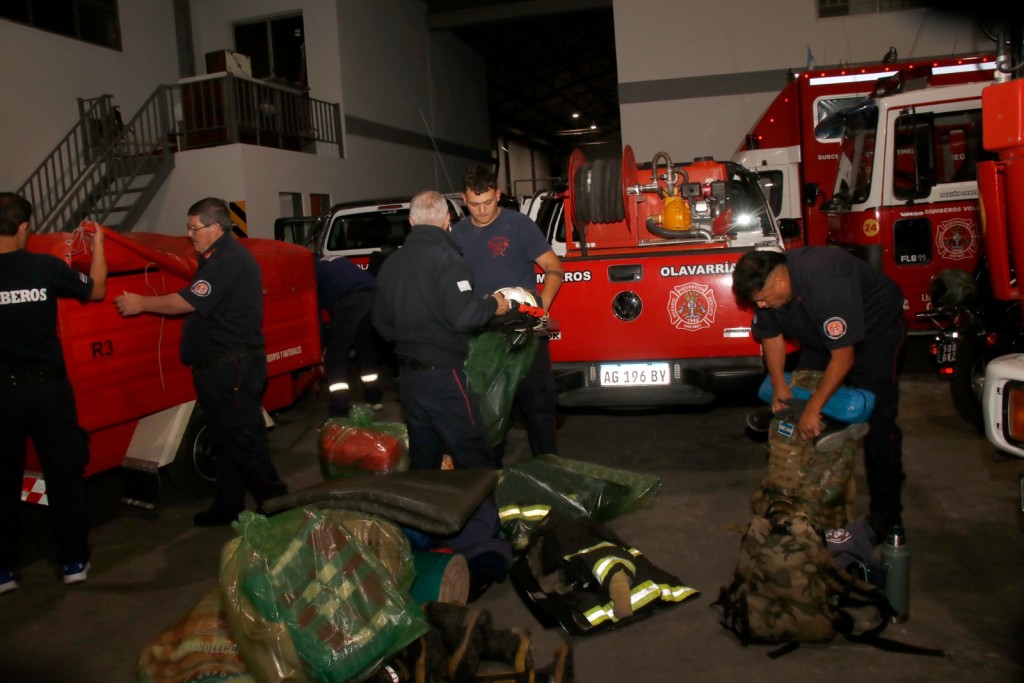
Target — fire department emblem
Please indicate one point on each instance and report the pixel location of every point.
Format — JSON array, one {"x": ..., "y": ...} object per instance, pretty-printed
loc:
[
  {"x": 498, "y": 246},
  {"x": 692, "y": 306},
  {"x": 870, "y": 227},
  {"x": 956, "y": 239},
  {"x": 834, "y": 327},
  {"x": 201, "y": 288}
]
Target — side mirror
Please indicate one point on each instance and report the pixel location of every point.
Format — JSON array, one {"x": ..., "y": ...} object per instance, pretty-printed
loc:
[{"x": 811, "y": 193}]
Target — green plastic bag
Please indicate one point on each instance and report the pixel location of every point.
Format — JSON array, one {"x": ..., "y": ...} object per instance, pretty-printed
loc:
[
  {"x": 342, "y": 609},
  {"x": 529, "y": 490},
  {"x": 497, "y": 362}
]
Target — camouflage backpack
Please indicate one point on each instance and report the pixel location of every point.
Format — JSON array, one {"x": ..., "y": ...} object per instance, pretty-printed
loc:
[
  {"x": 787, "y": 588},
  {"x": 820, "y": 484}
]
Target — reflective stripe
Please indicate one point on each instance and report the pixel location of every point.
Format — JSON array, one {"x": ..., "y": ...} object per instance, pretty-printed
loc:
[
  {"x": 369, "y": 378},
  {"x": 605, "y": 565},
  {"x": 641, "y": 595},
  {"x": 338, "y": 386},
  {"x": 33, "y": 489},
  {"x": 531, "y": 513},
  {"x": 584, "y": 551},
  {"x": 675, "y": 593}
]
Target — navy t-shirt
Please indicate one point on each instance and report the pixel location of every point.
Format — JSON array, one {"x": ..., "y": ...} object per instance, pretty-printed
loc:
[
  {"x": 29, "y": 287},
  {"x": 502, "y": 254},
  {"x": 838, "y": 301},
  {"x": 336, "y": 276},
  {"x": 227, "y": 293}
]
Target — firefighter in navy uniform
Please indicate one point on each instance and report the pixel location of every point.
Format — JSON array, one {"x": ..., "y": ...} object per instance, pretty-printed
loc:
[
  {"x": 222, "y": 342},
  {"x": 425, "y": 305},
  {"x": 346, "y": 292},
  {"x": 36, "y": 398},
  {"x": 848, "y": 318}
]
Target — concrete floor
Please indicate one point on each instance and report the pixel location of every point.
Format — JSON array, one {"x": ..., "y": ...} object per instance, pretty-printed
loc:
[{"x": 962, "y": 515}]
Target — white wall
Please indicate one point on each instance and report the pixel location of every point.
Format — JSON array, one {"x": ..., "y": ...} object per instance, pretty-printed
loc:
[
  {"x": 734, "y": 38},
  {"x": 42, "y": 74}
]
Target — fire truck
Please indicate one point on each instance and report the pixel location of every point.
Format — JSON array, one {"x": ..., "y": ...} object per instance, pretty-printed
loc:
[
  {"x": 799, "y": 152},
  {"x": 646, "y": 315},
  {"x": 1001, "y": 184},
  {"x": 134, "y": 396}
]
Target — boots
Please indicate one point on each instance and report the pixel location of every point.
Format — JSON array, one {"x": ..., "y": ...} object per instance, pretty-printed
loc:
[
  {"x": 560, "y": 670},
  {"x": 468, "y": 637}
]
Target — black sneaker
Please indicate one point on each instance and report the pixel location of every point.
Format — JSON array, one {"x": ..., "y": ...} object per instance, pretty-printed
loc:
[
  {"x": 838, "y": 434},
  {"x": 214, "y": 517}
]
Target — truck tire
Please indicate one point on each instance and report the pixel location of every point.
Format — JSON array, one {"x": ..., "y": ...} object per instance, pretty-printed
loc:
[
  {"x": 606, "y": 188},
  {"x": 193, "y": 470},
  {"x": 967, "y": 384}
]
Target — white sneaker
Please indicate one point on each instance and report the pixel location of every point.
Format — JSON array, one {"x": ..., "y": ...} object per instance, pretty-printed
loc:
[
  {"x": 7, "y": 582},
  {"x": 76, "y": 572}
]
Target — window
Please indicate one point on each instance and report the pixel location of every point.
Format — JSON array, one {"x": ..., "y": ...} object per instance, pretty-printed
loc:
[
  {"x": 937, "y": 149},
  {"x": 92, "y": 21},
  {"x": 912, "y": 242},
  {"x": 276, "y": 48},
  {"x": 843, "y": 8}
]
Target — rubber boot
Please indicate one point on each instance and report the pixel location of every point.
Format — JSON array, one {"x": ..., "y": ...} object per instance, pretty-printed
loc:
[
  {"x": 463, "y": 633},
  {"x": 512, "y": 646},
  {"x": 424, "y": 661},
  {"x": 561, "y": 669}
]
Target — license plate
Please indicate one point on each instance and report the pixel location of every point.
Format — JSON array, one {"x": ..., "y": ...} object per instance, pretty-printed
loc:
[
  {"x": 946, "y": 354},
  {"x": 634, "y": 374}
]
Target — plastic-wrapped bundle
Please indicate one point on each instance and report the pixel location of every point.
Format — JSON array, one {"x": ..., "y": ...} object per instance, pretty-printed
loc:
[
  {"x": 357, "y": 445},
  {"x": 496, "y": 364},
  {"x": 308, "y": 600},
  {"x": 529, "y": 490}
]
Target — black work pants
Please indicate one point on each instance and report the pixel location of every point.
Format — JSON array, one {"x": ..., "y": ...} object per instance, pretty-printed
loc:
[
  {"x": 350, "y": 329},
  {"x": 230, "y": 393},
  {"x": 443, "y": 416},
  {"x": 46, "y": 412},
  {"x": 537, "y": 398}
]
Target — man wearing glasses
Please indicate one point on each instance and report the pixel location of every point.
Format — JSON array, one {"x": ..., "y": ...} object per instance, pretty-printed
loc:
[{"x": 222, "y": 342}]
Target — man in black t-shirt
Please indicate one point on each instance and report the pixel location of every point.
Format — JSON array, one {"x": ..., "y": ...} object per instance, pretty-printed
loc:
[
  {"x": 36, "y": 397},
  {"x": 222, "y": 342},
  {"x": 848, "y": 319}
]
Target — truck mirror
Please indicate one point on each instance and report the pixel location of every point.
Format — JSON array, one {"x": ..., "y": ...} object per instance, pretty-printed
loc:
[
  {"x": 811, "y": 192},
  {"x": 789, "y": 228}
]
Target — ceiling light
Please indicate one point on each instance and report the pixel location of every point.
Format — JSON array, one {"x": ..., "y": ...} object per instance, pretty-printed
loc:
[
  {"x": 593, "y": 126},
  {"x": 575, "y": 114}
]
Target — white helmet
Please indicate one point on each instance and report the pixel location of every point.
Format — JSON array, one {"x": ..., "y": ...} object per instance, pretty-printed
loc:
[{"x": 519, "y": 294}]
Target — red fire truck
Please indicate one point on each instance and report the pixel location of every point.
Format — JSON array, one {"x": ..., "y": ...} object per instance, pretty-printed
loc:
[
  {"x": 646, "y": 315},
  {"x": 797, "y": 160},
  {"x": 134, "y": 396}
]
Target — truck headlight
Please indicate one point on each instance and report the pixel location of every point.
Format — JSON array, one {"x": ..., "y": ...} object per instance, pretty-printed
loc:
[{"x": 1013, "y": 408}]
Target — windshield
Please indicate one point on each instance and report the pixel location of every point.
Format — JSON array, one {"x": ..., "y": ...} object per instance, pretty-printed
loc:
[
  {"x": 857, "y": 153},
  {"x": 370, "y": 230}
]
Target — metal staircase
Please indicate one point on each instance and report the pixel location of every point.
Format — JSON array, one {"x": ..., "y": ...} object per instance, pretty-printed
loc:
[
  {"x": 108, "y": 171},
  {"x": 104, "y": 169}
]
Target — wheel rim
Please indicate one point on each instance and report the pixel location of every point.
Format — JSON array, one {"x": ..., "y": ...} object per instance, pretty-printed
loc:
[
  {"x": 203, "y": 461},
  {"x": 978, "y": 377}
]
